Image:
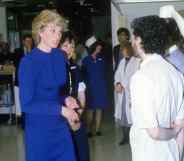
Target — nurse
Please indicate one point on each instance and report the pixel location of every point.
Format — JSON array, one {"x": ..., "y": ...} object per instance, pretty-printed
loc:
[
  {"x": 76, "y": 88},
  {"x": 93, "y": 67},
  {"x": 156, "y": 92},
  {"x": 126, "y": 68},
  {"x": 42, "y": 74},
  {"x": 175, "y": 56}
]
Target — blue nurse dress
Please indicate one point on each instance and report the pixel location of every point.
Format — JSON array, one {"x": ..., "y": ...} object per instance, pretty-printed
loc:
[
  {"x": 96, "y": 82},
  {"x": 47, "y": 135}
]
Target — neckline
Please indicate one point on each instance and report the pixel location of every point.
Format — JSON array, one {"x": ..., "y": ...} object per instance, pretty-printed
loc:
[
  {"x": 172, "y": 49},
  {"x": 41, "y": 52},
  {"x": 150, "y": 58}
]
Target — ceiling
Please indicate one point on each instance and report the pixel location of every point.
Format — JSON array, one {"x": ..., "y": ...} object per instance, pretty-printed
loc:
[{"x": 67, "y": 7}]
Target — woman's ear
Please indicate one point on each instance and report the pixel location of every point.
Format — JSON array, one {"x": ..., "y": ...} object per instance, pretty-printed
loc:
[
  {"x": 40, "y": 33},
  {"x": 138, "y": 40}
]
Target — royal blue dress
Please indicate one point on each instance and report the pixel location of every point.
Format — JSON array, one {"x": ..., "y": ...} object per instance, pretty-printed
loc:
[
  {"x": 47, "y": 135},
  {"x": 96, "y": 82}
]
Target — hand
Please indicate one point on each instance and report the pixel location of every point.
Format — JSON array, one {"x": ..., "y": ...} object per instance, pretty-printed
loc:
[
  {"x": 167, "y": 11},
  {"x": 71, "y": 102},
  {"x": 118, "y": 88},
  {"x": 178, "y": 123},
  {"x": 69, "y": 114},
  {"x": 74, "y": 125}
]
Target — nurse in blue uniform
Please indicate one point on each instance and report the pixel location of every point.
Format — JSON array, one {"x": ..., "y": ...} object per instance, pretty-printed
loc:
[
  {"x": 76, "y": 88},
  {"x": 93, "y": 68},
  {"x": 42, "y": 74}
]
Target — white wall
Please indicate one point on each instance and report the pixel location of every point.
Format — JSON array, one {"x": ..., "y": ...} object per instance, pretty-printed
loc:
[
  {"x": 133, "y": 10},
  {"x": 3, "y": 23}
]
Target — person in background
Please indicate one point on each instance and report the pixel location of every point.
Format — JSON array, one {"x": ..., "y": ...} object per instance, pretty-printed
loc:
[
  {"x": 168, "y": 11},
  {"x": 42, "y": 74},
  {"x": 126, "y": 68},
  {"x": 76, "y": 88},
  {"x": 174, "y": 55},
  {"x": 123, "y": 37},
  {"x": 19, "y": 53},
  {"x": 93, "y": 69},
  {"x": 156, "y": 92}
]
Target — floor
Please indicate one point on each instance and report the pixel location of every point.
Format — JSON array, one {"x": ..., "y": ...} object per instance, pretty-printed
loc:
[{"x": 103, "y": 148}]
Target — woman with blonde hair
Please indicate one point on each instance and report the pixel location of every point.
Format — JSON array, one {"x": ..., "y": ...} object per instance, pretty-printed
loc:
[{"x": 42, "y": 74}]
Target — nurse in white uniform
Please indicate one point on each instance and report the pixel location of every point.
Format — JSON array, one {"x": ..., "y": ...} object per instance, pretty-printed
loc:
[
  {"x": 126, "y": 68},
  {"x": 156, "y": 91}
]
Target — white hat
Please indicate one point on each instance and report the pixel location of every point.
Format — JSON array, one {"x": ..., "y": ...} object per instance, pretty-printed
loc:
[
  {"x": 166, "y": 11},
  {"x": 169, "y": 11},
  {"x": 90, "y": 41}
]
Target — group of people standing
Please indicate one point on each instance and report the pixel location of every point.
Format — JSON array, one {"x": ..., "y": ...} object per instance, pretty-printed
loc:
[
  {"x": 154, "y": 86},
  {"x": 149, "y": 86},
  {"x": 54, "y": 92}
]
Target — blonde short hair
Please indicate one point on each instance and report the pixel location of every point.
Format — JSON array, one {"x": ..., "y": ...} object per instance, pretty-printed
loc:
[{"x": 43, "y": 19}]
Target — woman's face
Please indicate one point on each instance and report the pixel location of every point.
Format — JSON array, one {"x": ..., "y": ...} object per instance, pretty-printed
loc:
[
  {"x": 98, "y": 48},
  {"x": 50, "y": 35},
  {"x": 69, "y": 48},
  {"x": 122, "y": 37}
]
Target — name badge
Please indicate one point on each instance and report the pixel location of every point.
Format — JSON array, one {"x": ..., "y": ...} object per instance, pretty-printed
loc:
[{"x": 73, "y": 67}]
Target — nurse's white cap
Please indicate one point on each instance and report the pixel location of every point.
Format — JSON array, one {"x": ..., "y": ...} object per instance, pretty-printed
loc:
[
  {"x": 169, "y": 11},
  {"x": 166, "y": 11},
  {"x": 90, "y": 41}
]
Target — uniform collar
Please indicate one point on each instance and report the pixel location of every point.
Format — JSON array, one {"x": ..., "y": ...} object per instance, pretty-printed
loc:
[
  {"x": 172, "y": 49},
  {"x": 150, "y": 58}
]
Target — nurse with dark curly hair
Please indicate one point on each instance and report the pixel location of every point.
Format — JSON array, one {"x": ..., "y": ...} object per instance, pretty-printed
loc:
[{"x": 156, "y": 92}]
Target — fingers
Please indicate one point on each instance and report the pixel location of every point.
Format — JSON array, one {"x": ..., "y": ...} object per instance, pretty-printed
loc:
[
  {"x": 69, "y": 114},
  {"x": 118, "y": 88},
  {"x": 71, "y": 102},
  {"x": 74, "y": 126}
]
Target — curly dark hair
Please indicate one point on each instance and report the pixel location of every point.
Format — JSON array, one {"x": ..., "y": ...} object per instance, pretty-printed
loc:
[
  {"x": 174, "y": 35},
  {"x": 153, "y": 32}
]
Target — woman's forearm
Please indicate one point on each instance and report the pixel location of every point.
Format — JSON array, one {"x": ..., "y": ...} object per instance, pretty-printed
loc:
[{"x": 163, "y": 133}]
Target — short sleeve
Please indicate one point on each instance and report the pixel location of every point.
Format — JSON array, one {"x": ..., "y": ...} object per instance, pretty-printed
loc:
[
  {"x": 81, "y": 87},
  {"x": 142, "y": 95}
]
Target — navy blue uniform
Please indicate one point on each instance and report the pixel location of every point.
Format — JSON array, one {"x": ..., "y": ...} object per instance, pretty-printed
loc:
[
  {"x": 95, "y": 78},
  {"x": 80, "y": 136}
]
